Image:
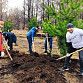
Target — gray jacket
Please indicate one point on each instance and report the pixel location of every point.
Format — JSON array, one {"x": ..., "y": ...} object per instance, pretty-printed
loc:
[{"x": 76, "y": 38}]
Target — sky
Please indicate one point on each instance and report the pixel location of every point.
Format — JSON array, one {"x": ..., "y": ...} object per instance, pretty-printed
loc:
[{"x": 15, "y": 4}]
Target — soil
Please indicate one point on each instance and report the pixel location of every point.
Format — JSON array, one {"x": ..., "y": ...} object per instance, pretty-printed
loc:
[
  {"x": 32, "y": 69},
  {"x": 38, "y": 68}
]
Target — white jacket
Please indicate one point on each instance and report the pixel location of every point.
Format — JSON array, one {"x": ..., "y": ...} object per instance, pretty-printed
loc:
[{"x": 76, "y": 38}]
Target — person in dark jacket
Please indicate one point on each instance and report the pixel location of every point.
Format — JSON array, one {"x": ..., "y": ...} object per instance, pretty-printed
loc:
[
  {"x": 30, "y": 37},
  {"x": 48, "y": 40},
  {"x": 10, "y": 38}
]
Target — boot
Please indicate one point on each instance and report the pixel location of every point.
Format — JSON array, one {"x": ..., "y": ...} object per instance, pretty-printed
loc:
[
  {"x": 45, "y": 51},
  {"x": 50, "y": 51}
]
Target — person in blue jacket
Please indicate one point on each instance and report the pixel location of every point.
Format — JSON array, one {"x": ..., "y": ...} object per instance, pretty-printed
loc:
[
  {"x": 48, "y": 40},
  {"x": 30, "y": 37},
  {"x": 10, "y": 38}
]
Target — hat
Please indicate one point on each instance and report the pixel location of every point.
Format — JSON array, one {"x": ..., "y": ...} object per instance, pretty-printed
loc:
[
  {"x": 70, "y": 25},
  {"x": 4, "y": 34}
]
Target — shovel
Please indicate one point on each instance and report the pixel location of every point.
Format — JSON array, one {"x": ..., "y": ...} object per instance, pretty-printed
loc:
[
  {"x": 34, "y": 51},
  {"x": 33, "y": 47},
  {"x": 69, "y": 54},
  {"x": 6, "y": 46},
  {"x": 48, "y": 45}
]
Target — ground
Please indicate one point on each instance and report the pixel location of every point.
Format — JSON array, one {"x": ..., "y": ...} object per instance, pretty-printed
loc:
[{"x": 40, "y": 68}]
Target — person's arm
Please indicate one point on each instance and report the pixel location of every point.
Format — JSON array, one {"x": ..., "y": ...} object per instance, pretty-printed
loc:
[
  {"x": 33, "y": 34},
  {"x": 6, "y": 37},
  {"x": 33, "y": 46},
  {"x": 80, "y": 31},
  {"x": 70, "y": 48},
  {"x": 14, "y": 38},
  {"x": 68, "y": 40},
  {"x": 68, "y": 43}
]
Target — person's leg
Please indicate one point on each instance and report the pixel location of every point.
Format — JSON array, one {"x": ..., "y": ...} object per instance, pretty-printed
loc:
[
  {"x": 66, "y": 63},
  {"x": 30, "y": 44},
  {"x": 10, "y": 44},
  {"x": 45, "y": 44},
  {"x": 70, "y": 49},
  {"x": 50, "y": 43},
  {"x": 81, "y": 61}
]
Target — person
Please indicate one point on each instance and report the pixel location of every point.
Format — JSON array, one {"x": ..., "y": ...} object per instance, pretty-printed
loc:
[
  {"x": 30, "y": 37},
  {"x": 1, "y": 45},
  {"x": 10, "y": 38},
  {"x": 1, "y": 24},
  {"x": 1, "y": 39},
  {"x": 74, "y": 39},
  {"x": 14, "y": 39},
  {"x": 48, "y": 40}
]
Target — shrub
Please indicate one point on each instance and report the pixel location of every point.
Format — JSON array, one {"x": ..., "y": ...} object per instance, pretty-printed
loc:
[
  {"x": 7, "y": 26},
  {"x": 69, "y": 11},
  {"x": 32, "y": 23}
]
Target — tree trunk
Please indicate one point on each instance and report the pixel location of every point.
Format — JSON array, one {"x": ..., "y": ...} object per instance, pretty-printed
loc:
[
  {"x": 43, "y": 10},
  {"x": 24, "y": 16},
  {"x": 29, "y": 9},
  {"x": 0, "y": 9},
  {"x": 48, "y": 13},
  {"x": 36, "y": 10},
  {"x": 32, "y": 10}
]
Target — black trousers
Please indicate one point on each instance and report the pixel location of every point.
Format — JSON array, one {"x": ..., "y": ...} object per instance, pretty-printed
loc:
[
  {"x": 67, "y": 60},
  {"x": 10, "y": 44}
]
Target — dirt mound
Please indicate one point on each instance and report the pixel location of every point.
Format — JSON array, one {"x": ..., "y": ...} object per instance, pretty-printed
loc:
[{"x": 35, "y": 69}]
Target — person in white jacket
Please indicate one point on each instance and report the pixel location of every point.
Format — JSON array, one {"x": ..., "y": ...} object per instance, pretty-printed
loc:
[{"x": 74, "y": 39}]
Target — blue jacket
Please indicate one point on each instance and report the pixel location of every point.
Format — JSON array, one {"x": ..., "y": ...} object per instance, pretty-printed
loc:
[{"x": 31, "y": 33}]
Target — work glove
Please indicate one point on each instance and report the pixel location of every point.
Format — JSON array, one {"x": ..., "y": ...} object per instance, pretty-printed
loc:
[
  {"x": 8, "y": 48},
  {"x": 2, "y": 54},
  {"x": 67, "y": 55},
  {"x": 5, "y": 42}
]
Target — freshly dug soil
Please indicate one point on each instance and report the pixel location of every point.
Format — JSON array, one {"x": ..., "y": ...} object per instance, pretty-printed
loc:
[{"x": 36, "y": 69}]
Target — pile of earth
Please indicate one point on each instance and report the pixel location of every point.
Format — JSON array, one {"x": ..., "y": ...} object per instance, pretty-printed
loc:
[{"x": 36, "y": 69}]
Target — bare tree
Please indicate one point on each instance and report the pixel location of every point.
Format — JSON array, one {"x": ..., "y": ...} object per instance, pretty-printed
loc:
[
  {"x": 32, "y": 5},
  {"x": 43, "y": 9},
  {"x": 0, "y": 9},
  {"x": 16, "y": 16},
  {"x": 29, "y": 9},
  {"x": 3, "y": 9},
  {"x": 48, "y": 5},
  {"x": 24, "y": 14}
]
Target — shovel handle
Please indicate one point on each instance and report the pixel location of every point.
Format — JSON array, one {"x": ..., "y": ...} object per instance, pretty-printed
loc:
[
  {"x": 33, "y": 46},
  {"x": 7, "y": 51},
  {"x": 9, "y": 55},
  {"x": 69, "y": 54},
  {"x": 47, "y": 40}
]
